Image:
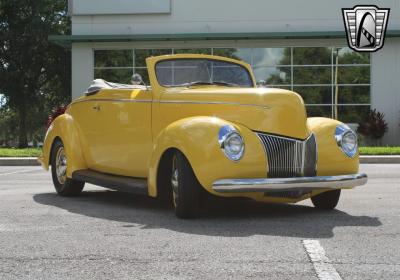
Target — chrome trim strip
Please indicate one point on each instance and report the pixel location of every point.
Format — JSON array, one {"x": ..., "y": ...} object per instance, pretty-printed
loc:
[
  {"x": 303, "y": 155},
  {"x": 284, "y": 137},
  {"x": 212, "y": 102},
  {"x": 271, "y": 184},
  {"x": 113, "y": 100},
  {"x": 170, "y": 101}
]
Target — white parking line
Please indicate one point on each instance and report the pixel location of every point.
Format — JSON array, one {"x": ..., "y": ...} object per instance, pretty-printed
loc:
[
  {"x": 16, "y": 172},
  {"x": 321, "y": 263}
]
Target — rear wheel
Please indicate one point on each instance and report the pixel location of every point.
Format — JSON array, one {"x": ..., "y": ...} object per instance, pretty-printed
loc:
[
  {"x": 326, "y": 200},
  {"x": 185, "y": 188},
  {"x": 63, "y": 185}
]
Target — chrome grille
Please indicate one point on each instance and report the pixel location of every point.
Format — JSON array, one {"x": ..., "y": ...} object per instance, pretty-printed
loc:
[{"x": 288, "y": 157}]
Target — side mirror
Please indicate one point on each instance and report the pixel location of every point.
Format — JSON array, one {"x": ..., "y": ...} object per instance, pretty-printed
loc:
[
  {"x": 262, "y": 83},
  {"x": 137, "y": 79}
]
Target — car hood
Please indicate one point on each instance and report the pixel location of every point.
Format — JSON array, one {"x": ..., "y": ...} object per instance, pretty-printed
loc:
[{"x": 270, "y": 110}]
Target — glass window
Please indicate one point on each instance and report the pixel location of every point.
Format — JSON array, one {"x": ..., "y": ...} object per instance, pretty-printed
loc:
[
  {"x": 352, "y": 114},
  {"x": 315, "y": 94},
  {"x": 141, "y": 55},
  {"x": 312, "y": 75},
  {"x": 353, "y": 74},
  {"x": 241, "y": 54},
  {"x": 113, "y": 58},
  {"x": 312, "y": 55},
  {"x": 319, "y": 111},
  {"x": 273, "y": 75},
  {"x": 114, "y": 75},
  {"x": 195, "y": 51},
  {"x": 354, "y": 94},
  {"x": 179, "y": 72},
  {"x": 271, "y": 56},
  {"x": 278, "y": 86},
  {"x": 348, "y": 56}
]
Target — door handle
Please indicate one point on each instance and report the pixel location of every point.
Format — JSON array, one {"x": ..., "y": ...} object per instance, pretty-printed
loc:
[{"x": 97, "y": 108}]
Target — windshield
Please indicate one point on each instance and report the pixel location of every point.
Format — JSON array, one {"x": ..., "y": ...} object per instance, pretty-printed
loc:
[{"x": 188, "y": 72}]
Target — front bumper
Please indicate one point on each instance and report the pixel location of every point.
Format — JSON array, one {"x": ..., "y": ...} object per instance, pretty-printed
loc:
[{"x": 289, "y": 184}]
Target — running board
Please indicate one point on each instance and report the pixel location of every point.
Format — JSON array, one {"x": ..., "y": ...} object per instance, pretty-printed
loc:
[{"x": 115, "y": 182}]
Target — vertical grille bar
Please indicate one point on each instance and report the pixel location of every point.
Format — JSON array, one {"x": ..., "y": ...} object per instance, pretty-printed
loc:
[
  {"x": 310, "y": 166},
  {"x": 289, "y": 157}
]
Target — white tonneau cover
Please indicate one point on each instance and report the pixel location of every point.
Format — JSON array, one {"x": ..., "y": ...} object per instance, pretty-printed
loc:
[{"x": 99, "y": 84}]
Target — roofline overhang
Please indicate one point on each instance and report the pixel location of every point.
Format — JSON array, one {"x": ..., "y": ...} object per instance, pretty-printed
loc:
[{"x": 67, "y": 40}]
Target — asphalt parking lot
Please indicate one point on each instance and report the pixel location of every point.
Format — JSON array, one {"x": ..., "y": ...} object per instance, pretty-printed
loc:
[{"x": 110, "y": 235}]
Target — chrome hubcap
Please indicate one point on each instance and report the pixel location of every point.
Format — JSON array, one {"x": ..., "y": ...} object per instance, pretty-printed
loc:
[
  {"x": 61, "y": 166},
  {"x": 175, "y": 182}
]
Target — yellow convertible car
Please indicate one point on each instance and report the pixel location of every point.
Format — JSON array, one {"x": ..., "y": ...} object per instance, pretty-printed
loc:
[{"x": 201, "y": 124}]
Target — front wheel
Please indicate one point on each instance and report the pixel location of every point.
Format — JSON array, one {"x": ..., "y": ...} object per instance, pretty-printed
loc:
[
  {"x": 64, "y": 186},
  {"x": 185, "y": 188},
  {"x": 326, "y": 200}
]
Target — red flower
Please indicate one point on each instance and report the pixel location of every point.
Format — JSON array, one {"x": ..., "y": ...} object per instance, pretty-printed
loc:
[{"x": 54, "y": 114}]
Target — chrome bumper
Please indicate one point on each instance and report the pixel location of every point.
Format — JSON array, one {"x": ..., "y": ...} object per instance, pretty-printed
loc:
[{"x": 288, "y": 184}]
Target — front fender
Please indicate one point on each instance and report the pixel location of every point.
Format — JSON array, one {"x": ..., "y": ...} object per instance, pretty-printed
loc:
[
  {"x": 197, "y": 138},
  {"x": 63, "y": 127},
  {"x": 331, "y": 159}
]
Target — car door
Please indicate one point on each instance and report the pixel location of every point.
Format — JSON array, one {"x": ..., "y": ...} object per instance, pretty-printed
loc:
[{"x": 122, "y": 141}]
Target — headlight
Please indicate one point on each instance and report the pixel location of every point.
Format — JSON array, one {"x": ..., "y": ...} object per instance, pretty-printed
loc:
[
  {"x": 346, "y": 140},
  {"x": 231, "y": 142}
]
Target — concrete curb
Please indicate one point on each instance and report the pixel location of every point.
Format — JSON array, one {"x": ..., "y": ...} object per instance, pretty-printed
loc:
[
  {"x": 32, "y": 161},
  {"x": 19, "y": 161},
  {"x": 380, "y": 159}
]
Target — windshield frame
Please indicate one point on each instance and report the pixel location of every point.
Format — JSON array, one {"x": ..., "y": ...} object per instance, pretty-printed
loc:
[{"x": 202, "y": 58}]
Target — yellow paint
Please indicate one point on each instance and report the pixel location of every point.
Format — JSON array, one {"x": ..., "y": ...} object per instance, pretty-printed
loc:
[
  {"x": 331, "y": 159},
  {"x": 125, "y": 132},
  {"x": 117, "y": 133},
  {"x": 64, "y": 128}
]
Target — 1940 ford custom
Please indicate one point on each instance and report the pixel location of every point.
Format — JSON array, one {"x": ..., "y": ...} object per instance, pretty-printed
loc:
[{"x": 201, "y": 124}]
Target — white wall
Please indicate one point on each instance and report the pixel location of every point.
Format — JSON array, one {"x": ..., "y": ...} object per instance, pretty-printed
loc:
[
  {"x": 107, "y": 7},
  {"x": 82, "y": 68},
  {"x": 385, "y": 87},
  {"x": 215, "y": 16}
]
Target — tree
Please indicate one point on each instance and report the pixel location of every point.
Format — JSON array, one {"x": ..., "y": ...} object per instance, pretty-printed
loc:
[{"x": 34, "y": 73}]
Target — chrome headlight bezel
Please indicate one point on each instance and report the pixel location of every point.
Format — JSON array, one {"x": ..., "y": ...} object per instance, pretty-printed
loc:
[
  {"x": 226, "y": 134},
  {"x": 342, "y": 132}
]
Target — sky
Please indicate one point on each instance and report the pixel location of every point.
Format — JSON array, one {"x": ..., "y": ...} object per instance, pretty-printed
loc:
[{"x": 2, "y": 100}]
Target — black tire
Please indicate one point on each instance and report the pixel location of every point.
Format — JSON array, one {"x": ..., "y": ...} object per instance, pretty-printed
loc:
[
  {"x": 65, "y": 186},
  {"x": 186, "y": 194},
  {"x": 326, "y": 200}
]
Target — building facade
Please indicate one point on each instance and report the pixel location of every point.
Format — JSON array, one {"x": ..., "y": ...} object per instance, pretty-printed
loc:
[{"x": 297, "y": 45}]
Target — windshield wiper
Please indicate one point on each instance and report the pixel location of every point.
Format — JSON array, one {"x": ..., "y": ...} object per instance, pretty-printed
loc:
[
  {"x": 223, "y": 83},
  {"x": 196, "y": 83},
  {"x": 219, "y": 83}
]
